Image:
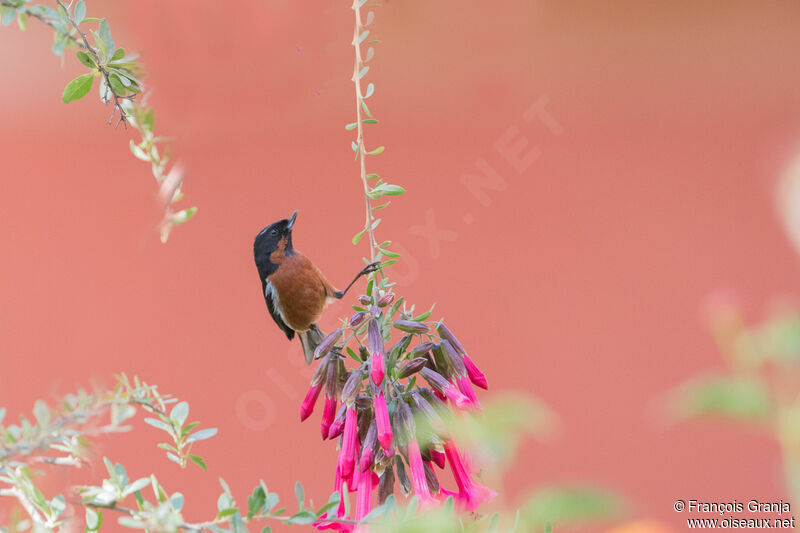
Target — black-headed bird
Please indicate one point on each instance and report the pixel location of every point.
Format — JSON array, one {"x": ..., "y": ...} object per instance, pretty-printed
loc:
[{"x": 295, "y": 290}]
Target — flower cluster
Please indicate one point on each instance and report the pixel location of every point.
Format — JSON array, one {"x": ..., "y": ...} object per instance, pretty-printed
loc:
[{"x": 389, "y": 413}]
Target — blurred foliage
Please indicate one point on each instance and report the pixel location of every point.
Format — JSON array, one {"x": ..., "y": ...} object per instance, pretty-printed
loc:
[
  {"x": 60, "y": 436},
  {"x": 762, "y": 384},
  {"x": 119, "y": 84}
]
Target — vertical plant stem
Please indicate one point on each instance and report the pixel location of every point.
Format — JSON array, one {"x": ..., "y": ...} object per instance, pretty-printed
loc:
[{"x": 362, "y": 156}]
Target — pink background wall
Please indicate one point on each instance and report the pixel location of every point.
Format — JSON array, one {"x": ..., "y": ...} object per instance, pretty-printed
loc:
[{"x": 579, "y": 282}]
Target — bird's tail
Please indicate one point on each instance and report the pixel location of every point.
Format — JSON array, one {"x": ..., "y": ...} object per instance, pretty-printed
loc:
[{"x": 310, "y": 340}]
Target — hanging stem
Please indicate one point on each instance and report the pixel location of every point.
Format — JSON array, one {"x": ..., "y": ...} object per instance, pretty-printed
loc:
[{"x": 362, "y": 156}]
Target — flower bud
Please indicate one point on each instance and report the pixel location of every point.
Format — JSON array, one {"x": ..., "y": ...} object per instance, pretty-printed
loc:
[
  {"x": 431, "y": 415},
  {"x": 447, "y": 335},
  {"x": 352, "y": 387},
  {"x": 376, "y": 370},
  {"x": 437, "y": 458},
  {"x": 307, "y": 407},
  {"x": 404, "y": 422},
  {"x": 442, "y": 362},
  {"x": 411, "y": 367},
  {"x": 422, "y": 348},
  {"x": 364, "y": 403},
  {"x": 430, "y": 477},
  {"x": 320, "y": 372},
  {"x": 384, "y": 427},
  {"x": 474, "y": 373},
  {"x": 327, "y": 343},
  {"x": 386, "y": 485},
  {"x": 443, "y": 386},
  {"x": 402, "y": 477},
  {"x": 357, "y": 319},
  {"x": 363, "y": 353},
  {"x": 374, "y": 337},
  {"x": 410, "y": 326},
  {"x": 454, "y": 359},
  {"x": 367, "y": 447},
  {"x": 386, "y": 299},
  {"x": 364, "y": 299},
  {"x": 338, "y": 423}
]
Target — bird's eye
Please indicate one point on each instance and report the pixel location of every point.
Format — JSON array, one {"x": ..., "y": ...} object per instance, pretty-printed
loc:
[{"x": 273, "y": 232}]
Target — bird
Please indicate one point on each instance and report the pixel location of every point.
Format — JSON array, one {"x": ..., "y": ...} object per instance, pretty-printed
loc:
[{"x": 295, "y": 290}]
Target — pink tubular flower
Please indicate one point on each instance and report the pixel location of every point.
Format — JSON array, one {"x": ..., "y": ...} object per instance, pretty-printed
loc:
[
  {"x": 475, "y": 375},
  {"x": 376, "y": 368},
  {"x": 382, "y": 421},
  {"x": 363, "y": 499},
  {"x": 328, "y": 414},
  {"x": 348, "y": 452},
  {"x": 338, "y": 513},
  {"x": 465, "y": 386},
  {"x": 445, "y": 388},
  {"x": 307, "y": 407},
  {"x": 418, "y": 480},
  {"x": 470, "y": 493}
]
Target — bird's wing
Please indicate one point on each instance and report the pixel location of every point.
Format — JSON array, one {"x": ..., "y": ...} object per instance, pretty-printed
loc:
[{"x": 271, "y": 297}]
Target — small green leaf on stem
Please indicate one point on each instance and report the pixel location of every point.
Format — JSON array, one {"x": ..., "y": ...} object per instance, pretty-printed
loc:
[
  {"x": 80, "y": 12},
  {"x": 77, "y": 88},
  {"x": 196, "y": 459},
  {"x": 377, "y": 150}
]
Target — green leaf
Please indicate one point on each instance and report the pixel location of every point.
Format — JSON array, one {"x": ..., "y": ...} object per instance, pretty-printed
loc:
[
  {"x": 363, "y": 36},
  {"x": 363, "y": 72},
  {"x": 80, "y": 12},
  {"x": 300, "y": 494},
  {"x": 203, "y": 434},
  {"x": 302, "y": 518},
  {"x": 94, "y": 519},
  {"x": 377, "y": 150},
  {"x": 77, "y": 88},
  {"x": 570, "y": 506},
  {"x": 357, "y": 236},
  {"x": 158, "y": 424},
  {"x": 370, "y": 90},
  {"x": 84, "y": 58},
  {"x": 165, "y": 446},
  {"x": 41, "y": 412},
  {"x": 196, "y": 459},
  {"x": 2, "y": 413},
  {"x": 333, "y": 501},
  {"x": 8, "y": 16},
  {"x": 388, "y": 253},
  {"x": 227, "y": 512},
  {"x": 370, "y": 121},
  {"x": 732, "y": 397},
  {"x": 266, "y": 529},
  {"x": 372, "y": 176},
  {"x": 22, "y": 20},
  {"x": 116, "y": 84},
  {"x": 365, "y": 108},
  {"x": 104, "y": 32},
  {"x": 256, "y": 501},
  {"x": 118, "y": 54},
  {"x": 351, "y": 126},
  {"x": 184, "y": 215},
  {"x": 179, "y": 413}
]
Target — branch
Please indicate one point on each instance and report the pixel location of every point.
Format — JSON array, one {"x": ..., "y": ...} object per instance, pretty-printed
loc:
[
  {"x": 41, "y": 18},
  {"x": 123, "y": 116},
  {"x": 27, "y": 505},
  {"x": 369, "y": 221}
]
